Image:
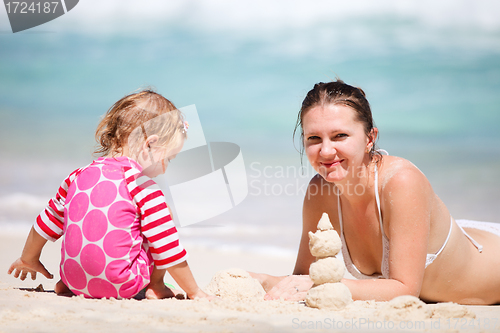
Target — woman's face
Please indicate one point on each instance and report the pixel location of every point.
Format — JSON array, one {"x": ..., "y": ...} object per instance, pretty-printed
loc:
[{"x": 335, "y": 141}]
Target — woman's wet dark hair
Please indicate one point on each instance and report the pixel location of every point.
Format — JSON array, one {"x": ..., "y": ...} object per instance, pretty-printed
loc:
[{"x": 337, "y": 92}]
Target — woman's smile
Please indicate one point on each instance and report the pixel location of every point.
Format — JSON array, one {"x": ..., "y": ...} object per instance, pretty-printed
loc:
[
  {"x": 334, "y": 140},
  {"x": 331, "y": 164}
]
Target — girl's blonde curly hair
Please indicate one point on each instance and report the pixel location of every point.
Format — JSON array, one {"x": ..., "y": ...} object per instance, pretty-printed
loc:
[{"x": 133, "y": 118}]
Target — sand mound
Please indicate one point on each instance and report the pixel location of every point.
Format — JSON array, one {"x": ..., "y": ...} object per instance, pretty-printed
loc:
[
  {"x": 412, "y": 308},
  {"x": 235, "y": 284},
  {"x": 405, "y": 308},
  {"x": 330, "y": 296}
]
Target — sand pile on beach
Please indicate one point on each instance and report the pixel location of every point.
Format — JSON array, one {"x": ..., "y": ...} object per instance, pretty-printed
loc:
[
  {"x": 235, "y": 284},
  {"x": 327, "y": 271},
  {"x": 412, "y": 308}
]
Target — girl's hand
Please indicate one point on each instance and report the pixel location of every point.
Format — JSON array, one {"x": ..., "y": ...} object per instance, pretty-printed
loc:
[
  {"x": 21, "y": 268},
  {"x": 291, "y": 288},
  {"x": 201, "y": 294}
]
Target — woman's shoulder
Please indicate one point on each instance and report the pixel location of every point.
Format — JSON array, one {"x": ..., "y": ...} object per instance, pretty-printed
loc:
[
  {"x": 316, "y": 180},
  {"x": 399, "y": 172},
  {"x": 391, "y": 162},
  {"x": 318, "y": 185},
  {"x": 320, "y": 198},
  {"x": 319, "y": 191}
]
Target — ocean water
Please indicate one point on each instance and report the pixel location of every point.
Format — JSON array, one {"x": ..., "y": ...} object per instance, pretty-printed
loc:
[{"x": 431, "y": 73}]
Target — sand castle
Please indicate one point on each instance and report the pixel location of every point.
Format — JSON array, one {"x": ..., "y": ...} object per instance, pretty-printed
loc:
[{"x": 327, "y": 271}]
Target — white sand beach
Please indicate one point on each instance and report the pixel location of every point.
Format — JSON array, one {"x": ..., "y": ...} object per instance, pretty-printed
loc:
[
  {"x": 430, "y": 69},
  {"x": 22, "y": 310}
]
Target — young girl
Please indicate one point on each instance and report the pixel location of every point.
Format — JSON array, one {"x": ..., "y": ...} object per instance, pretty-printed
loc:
[{"x": 118, "y": 235}]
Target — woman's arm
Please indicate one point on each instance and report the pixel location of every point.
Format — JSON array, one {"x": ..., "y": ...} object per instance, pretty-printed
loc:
[
  {"x": 295, "y": 287},
  {"x": 312, "y": 210},
  {"x": 406, "y": 201},
  {"x": 407, "y": 205}
]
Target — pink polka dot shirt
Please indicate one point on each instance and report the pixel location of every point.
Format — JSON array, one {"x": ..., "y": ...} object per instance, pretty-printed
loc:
[{"x": 116, "y": 225}]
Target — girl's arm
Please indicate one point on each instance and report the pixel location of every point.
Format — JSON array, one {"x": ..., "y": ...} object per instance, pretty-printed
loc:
[
  {"x": 30, "y": 258},
  {"x": 184, "y": 277},
  {"x": 50, "y": 223},
  {"x": 160, "y": 231},
  {"x": 48, "y": 226}
]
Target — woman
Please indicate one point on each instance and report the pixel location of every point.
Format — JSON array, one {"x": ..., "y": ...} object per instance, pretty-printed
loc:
[{"x": 398, "y": 237}]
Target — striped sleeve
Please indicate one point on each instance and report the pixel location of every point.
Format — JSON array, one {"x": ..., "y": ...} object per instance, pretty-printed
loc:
[
  {"x": 49, "y": 224},
  {"x": 156, "y": 222}
]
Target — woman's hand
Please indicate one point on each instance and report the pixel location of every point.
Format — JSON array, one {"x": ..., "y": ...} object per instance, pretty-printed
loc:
[
  {"x": 290, "y": 288},
  {"x": 22, "y": 267},
  {"x": 267, "y": 281}
]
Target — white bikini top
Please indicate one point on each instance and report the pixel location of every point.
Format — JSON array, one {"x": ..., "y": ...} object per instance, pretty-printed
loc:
[{"x": 385, "y": 243}]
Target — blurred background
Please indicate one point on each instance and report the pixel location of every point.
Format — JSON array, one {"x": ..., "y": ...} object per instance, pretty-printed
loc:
[{"x": 431, "y": 71}]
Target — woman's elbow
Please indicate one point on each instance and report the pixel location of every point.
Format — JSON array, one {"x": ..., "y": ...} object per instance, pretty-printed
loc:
[{"x": 411, "y": 289}]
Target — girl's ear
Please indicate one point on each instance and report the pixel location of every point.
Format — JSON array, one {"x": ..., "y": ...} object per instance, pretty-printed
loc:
[
  {"x": 146, "y": 145},
  {"x": 152, "y": 140}
]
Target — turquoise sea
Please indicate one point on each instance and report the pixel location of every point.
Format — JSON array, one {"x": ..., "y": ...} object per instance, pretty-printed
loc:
[{"x": 431, "y": 72}]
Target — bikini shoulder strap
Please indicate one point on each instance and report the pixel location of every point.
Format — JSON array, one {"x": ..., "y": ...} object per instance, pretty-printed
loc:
[{"x": 377, "y": 198}]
